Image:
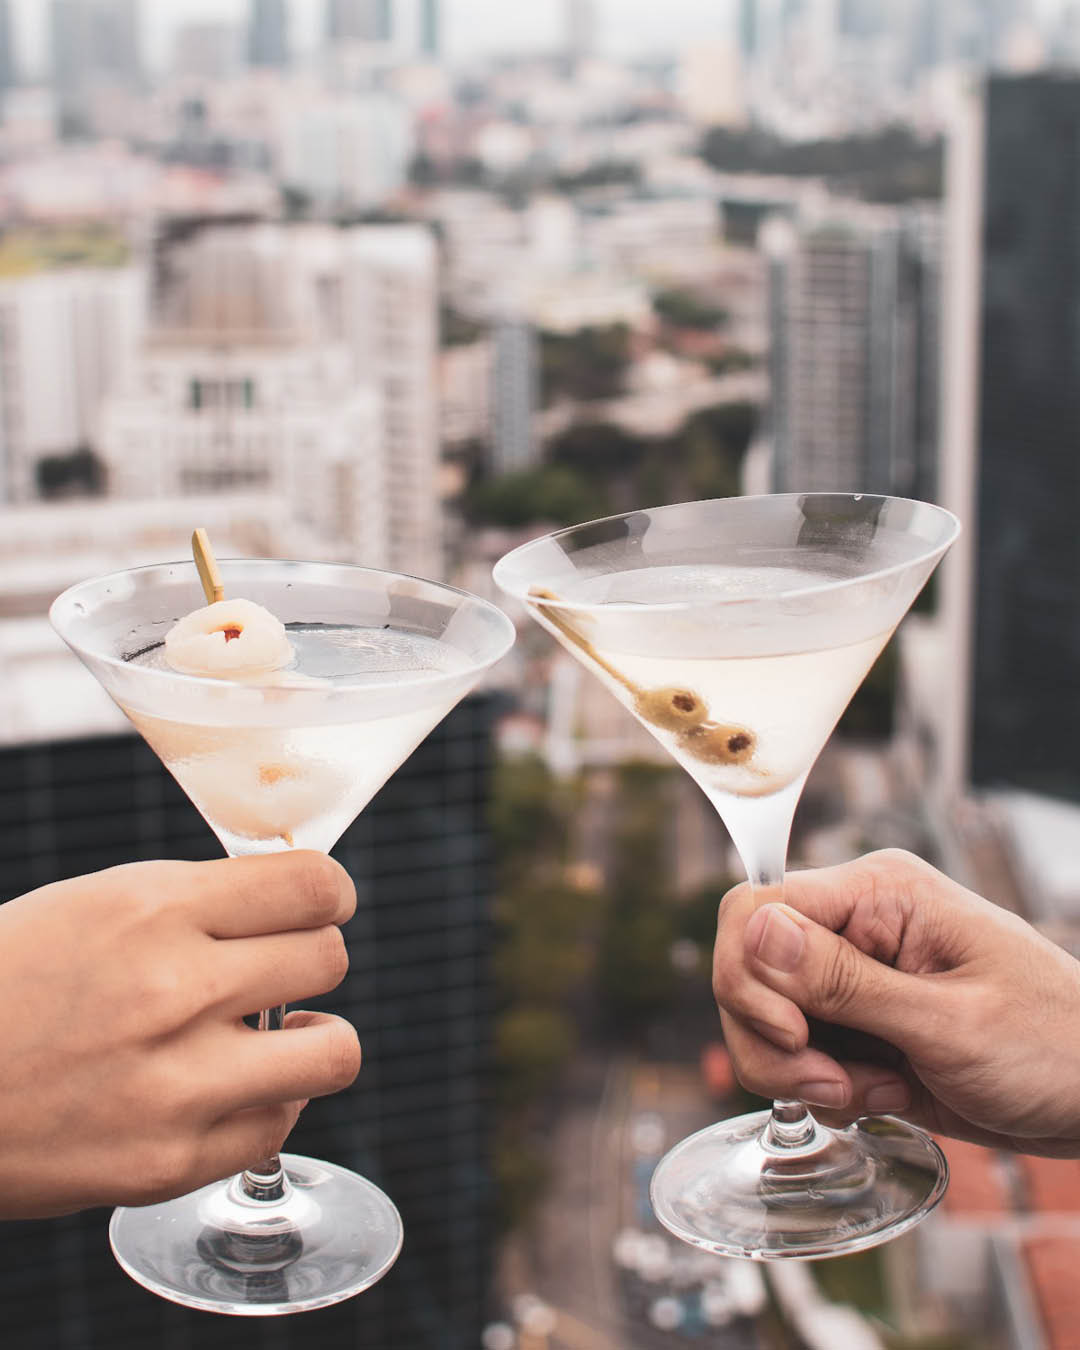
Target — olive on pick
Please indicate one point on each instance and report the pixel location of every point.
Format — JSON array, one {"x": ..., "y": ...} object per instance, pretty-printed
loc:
[
  {"x": 670, "y": 709},
  {"x": 713, "y": 743}
]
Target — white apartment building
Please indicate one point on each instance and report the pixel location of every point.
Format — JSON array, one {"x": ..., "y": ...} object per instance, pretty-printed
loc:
[
  {"x": 66, "y": 339},
  {"x": 465, "y": 393},
  {"x": 389, "y": 319},
  {"x": 301, "y": 358},
  {"x": 259, "y": 412},
  {"x": 654, "y": 236},
  {"x": 347, "y": 152}
]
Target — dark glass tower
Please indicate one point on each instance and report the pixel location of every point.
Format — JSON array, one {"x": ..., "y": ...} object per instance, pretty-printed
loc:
[
  {"x": 268, "y": 33},
  {"x": 418, "y": 992},
  {"x": 430, "y": 34},
  {"x": 1026, "y": 713},
  {"x": 359, "y": 20},
  {"x": 8, "y": 72},
  {"x": 92, "y": 43}
]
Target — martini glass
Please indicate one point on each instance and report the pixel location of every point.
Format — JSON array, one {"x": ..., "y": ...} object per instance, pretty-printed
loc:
[
  {"x": 737, "y": 631},
  {"x": 285, "y": 761}
]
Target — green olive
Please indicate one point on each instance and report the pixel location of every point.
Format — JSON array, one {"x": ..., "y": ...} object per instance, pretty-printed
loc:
[
  {"x": 670, "y": 709},
  {"x": 716, "y": 744}
]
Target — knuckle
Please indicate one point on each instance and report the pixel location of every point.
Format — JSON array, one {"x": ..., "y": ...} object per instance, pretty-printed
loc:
[
  {"x": 753, "y": 1080},
  {"x": 724, "y": 973},
  {"x": 734, "y": 903},
  {"x": 319, "y": 886},
  {"x": 898, "y": 860},
  {"x": 164, "y": 1169},
  {"x": 160, "y": 999},
  {"x": 333, "y": 956},
  {"x": 342, "y": 1056},
  {"x": 839, "y": 978}
]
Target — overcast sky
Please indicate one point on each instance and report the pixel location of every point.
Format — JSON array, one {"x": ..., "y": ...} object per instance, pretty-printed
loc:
[{"x": 469, "y": 25}]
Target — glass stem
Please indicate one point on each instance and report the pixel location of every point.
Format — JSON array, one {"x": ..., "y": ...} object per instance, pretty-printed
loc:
[
  {"x": 265, "y": 1181},
  {"x": 760, "y": 829}
]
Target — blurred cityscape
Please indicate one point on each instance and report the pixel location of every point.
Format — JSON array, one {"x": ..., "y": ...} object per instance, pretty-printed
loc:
[{"x": 407, "y": 282}]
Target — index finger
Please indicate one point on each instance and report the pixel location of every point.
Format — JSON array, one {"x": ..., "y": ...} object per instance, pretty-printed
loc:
[
  {"x": 874, "y": 901},
  {"x": 271, "y": 893}
]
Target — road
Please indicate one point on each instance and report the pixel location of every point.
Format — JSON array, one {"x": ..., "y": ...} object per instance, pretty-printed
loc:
[{"x": 566, "y": 1259}]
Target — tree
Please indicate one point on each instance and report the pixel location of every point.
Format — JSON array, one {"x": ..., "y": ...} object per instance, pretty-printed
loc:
[
  {"x": 589, "y": 364},
  {"x": 551, "y": 492},
  {"x": 890, "y": 165},
  {"x": 683, "y": 309},
  {"x": 634, "y": 964},
  {"x": 79, "y": 474}
]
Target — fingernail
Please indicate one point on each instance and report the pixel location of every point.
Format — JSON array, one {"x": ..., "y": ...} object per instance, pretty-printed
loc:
[
  {"x": 780, "y": 941},
  {"x": 822, "y": 1094},
  {"x": 894, "y": 1096}
]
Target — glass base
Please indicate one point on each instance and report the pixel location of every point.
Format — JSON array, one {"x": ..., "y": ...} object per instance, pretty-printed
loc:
[
  {"x": 731, "y": 1191},
  {"x": 331, "y": 1235}
]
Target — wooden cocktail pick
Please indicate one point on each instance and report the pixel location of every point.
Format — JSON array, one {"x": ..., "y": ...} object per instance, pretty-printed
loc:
[{"x": 205, "y": 561}]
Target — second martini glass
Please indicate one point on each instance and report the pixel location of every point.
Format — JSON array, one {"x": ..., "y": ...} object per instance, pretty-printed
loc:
[
  {"x": 737, "y": 631},
  {"x": 281, "y": 762}
]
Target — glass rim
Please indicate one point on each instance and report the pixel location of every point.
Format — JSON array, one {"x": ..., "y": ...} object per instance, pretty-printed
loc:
[
  {"x": 712, "y": 602},
  {"x": 418, "y": 680}
]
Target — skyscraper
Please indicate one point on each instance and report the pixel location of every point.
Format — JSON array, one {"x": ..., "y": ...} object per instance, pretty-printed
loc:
[
  {"x": 272, "y": 328},
  {"x": 580, "y": 28},
  {"x": 268, "y": 33},
  {"x": 359, "y": 20},
  {"x": 1014, "y": 347},
  {"x": 418, "y": 992},
  {"x": 92, "y": 42},
  {"x": 853, "y": 326},
  {"x": 430, "y": 31},
  {"x": 749, "y": 26},
  {"x": 515, "y": 396},
  {"x": 8, "y": 72}
]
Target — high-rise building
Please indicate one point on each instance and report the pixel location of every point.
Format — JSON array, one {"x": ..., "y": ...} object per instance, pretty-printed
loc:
[
  {"x": 359, "y": 20},
  {"x": 710, "y": 83},
  {"x": 208, "y": 51},
  {"x": 389, "y": 318},
  {"x": 348, "y": 153},
  {"x": 230, "y": 392},
  {"x": 430, "y": 29},
  {"x": 419, "y": 993},
  {"x": 268, "y": 33},
  {"x": 580, "y": 28},
  {"x": 516, "y": 395},
  {"x": 853, "y": 314},
  {"x": 749, "y": 29},
  {"x": 9, "y": 75},
  {"x": 67, "y": 339},
  {"x": 1013, "y": 414},
  {"x": 285, "y": 348},
  {"x": 93, "y": 43}
]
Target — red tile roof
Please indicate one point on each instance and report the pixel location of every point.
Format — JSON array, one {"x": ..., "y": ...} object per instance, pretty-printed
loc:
[
  {"x": 1052, "y": 1263},
  {"x": 976, "y": 1182},
  {"x": 1053, "y": 1184}
]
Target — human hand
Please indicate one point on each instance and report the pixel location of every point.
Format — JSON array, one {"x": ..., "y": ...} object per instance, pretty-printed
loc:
[
  {"x": 940, "y": 1007},
  {"x": 128, "y": 1073}
]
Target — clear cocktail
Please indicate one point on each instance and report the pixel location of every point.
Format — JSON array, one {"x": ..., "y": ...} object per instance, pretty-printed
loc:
[
  {"x": 737, "y": 631},
  {"x": 277, "y": 759}
]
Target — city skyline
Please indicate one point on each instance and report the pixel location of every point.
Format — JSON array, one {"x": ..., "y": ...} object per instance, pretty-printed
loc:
[{"x": 470, "y": 26}]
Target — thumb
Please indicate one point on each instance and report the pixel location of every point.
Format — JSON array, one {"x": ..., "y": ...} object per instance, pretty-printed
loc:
[{"x": 829, "y": 978}]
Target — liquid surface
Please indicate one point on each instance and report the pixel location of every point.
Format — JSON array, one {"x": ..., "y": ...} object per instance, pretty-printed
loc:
[
  {"x": 292, "y": 773},
  {"x": 350, "y": 655}
]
